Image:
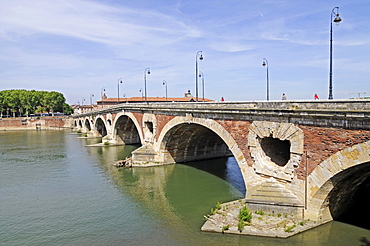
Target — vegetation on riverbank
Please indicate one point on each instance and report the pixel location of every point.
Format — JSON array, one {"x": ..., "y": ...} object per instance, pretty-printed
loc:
[
  {"x": 237, "y": 218},
  {"x": 22, "y": 102}
]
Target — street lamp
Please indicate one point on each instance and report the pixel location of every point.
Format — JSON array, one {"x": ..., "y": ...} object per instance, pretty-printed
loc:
[
  {"x": 119, "y": 82},
  {"x": 337, "y": 19},
  {"x": 202, "y": 75},
  {"x": 165, "y": 83},
  {"x": 265, "y": 63},
  {"x": 102, "y": 92},
  {"x": 124, "y": 96},
  {"x": 142, "y": 94},
  {"x": 91, "y": 96},
  {"x": 199, "y": 53},
  {"x": 146, "y": 71}
]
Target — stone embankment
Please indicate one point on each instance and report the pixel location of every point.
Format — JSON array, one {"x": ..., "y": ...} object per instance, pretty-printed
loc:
[
  {"x": 224, "y": 219},
  {"x": 31, "y": 123}
]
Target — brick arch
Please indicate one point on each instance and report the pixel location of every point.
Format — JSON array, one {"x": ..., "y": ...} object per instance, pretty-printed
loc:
[
  {"x": 213, "y": 126},
  {"x": 323, "y": 179},
  {"x": 87, "y": 124},
  {"x": 132, "y": 118},
  {"x": 104, "y": 131},
  {"x": 79, "y": 124}
]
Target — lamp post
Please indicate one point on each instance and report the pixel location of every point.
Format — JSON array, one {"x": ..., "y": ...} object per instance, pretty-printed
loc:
[
  {"x": 91, "y": 96},
  {"x": 165, "y": 83},
  {"x": 337, "y": 19},
  {"x": 102, "y": 92},
  {"x": 265, "y": 63},
  {"x": 119, "y": 82},
  {"x": 199, "y": 53},
  {"x": 124, "y": 96},
  {"x": 146, "y": 71},
  {"x": 202, "y": 75},
  {"x": 142, "y": 94}
]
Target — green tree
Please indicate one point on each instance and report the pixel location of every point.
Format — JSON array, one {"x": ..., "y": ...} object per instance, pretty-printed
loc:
[{"x": 20, "y": 102}]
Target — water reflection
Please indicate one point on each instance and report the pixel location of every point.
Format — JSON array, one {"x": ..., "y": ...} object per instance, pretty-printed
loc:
[
  {"x": 180, "y": 194},
  {"x": 226, "y": 168}
]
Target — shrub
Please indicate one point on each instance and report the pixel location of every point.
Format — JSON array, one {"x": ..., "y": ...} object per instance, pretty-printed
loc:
[
  {"x": 241, "y": 225},
  {"x": 290, "y": 228},
  {"x": 245, "y": 214},
  {"x": 225, "y": 228},
  {"x": 260, "y": 212}
]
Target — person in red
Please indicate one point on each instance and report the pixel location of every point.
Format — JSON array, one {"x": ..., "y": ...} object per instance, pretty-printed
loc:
[
  {"x": 222, "y": 99},
  {"x": 316, "y": 97}
]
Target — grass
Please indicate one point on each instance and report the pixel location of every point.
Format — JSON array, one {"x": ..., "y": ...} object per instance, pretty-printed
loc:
[
  {"x": 260, "y": 212},
  {"x": 245, "y": 215},
  {"x": 290, "y": 228}
]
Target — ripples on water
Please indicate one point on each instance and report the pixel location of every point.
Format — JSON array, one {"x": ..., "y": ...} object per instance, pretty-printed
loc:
[{"x": 56, "y": 191}]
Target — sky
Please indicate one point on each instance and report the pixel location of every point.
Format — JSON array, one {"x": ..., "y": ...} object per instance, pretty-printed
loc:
[{"x": 83, "y": 48}]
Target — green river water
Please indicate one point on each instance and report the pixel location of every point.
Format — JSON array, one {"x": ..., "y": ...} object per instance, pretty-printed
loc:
[{"x": 56, "y": 191}]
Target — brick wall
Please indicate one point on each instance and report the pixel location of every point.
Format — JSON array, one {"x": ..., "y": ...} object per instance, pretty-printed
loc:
[
  {"x": 322, "y": 142},
  {"x": 27, "y": 123}
]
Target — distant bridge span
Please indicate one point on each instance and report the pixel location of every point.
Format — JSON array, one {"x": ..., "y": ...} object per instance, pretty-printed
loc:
[{"x": 304, "y": 157}]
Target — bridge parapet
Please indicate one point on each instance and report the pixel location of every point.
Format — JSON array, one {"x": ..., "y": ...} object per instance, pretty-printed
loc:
[{"x": 348, "y": 114}]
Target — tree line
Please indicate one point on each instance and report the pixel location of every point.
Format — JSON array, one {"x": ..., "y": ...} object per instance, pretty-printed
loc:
[{"x": 22, "y": 102}]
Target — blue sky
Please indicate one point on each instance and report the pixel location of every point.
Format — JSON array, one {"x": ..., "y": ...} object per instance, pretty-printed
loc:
[{"x": 80, "y": 47}]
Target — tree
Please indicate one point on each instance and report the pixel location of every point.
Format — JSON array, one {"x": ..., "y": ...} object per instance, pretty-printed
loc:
[{"x": 21, "y": 102}]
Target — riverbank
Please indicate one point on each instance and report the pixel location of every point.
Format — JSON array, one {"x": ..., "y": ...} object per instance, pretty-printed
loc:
[
  {"x": 30, "y": 123},
  {"x": 224, "y": 219}
]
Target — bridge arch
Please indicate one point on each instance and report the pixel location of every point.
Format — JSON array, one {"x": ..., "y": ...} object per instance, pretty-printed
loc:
[
  {"x": 333, "y": 184},
  {"x": 185, "y": 134},
  {"x": 126, "y": 129},
  {"x": 100, "y": 126},
  {"x": 79, "y": 124},
  {"x": 88, "y": 125}
]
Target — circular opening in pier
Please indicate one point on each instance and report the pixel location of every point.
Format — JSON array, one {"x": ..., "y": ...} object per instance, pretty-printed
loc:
[{"x": 277, "y": 150}]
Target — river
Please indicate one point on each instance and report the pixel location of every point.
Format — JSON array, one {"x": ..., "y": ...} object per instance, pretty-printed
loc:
[{"x": 56, "y": 191}]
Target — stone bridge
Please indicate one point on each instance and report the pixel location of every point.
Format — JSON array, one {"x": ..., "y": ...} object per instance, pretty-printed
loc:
[{"x": 310, "y": 158}]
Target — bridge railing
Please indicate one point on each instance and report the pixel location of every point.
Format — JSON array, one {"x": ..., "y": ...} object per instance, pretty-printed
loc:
[{"x": 354, "y": 113}]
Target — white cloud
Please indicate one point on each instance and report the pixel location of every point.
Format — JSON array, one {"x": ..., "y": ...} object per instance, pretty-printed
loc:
[{"x": 89, "y": 21}]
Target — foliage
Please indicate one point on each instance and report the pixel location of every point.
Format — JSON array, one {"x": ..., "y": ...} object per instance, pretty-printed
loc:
[
  {"x": 260, "y": 212},
  {"x": 241, "y": 225},
  {"x": 290, "y": 228},
  {"x": 302, "y": 223},
  {"x": 225, "y": 228},
  {"x": 23, "y": 102},
  {"x": 245, "y": 214},
  {"x": 218, "y": 207}
]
